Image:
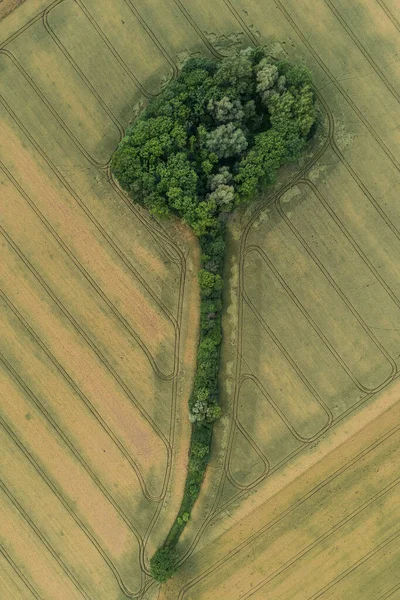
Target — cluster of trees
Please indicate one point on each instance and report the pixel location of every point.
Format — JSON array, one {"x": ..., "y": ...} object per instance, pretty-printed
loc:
[{"x": 216, "y": 135}]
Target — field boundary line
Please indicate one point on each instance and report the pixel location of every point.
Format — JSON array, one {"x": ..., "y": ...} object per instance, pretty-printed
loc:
[
  {"x": 291, "y": 508},
  {"x": 44, "y": 541},
  {"x": 20, "y": 574},
  {"x": 355, "y": 566},
  {"x": 72, "y": 513},
  {"x": 17, "y": 377}
]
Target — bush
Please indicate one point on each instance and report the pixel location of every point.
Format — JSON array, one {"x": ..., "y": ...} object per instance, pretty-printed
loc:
[{"x": 163, "y": 564}]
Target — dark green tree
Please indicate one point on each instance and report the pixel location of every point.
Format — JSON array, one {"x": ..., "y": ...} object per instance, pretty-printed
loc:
[{"x": 163, "y": 563}]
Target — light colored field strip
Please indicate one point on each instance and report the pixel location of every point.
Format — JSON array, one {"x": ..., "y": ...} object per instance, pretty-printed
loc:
[
  {"x": 61, "y": 144},
  {"x": 119, "y": 39},
  {"x": 65, "y": 395},
  {"x": 39, "y": 567},
  {"x": 66, "y": 471},
  {"x": 71, "y": 286},
  {"x": 327, "y": 305},
  {"x": 322, "y": 481},
  {"x": 74, "y": 230},
  {"x": 43, "y": 541},
  {"x": 27, "y": 590},
  {"x": 83, "y": 361},
  {"x": 30, "y": 407},
  {"x": 20, "y": 471}
]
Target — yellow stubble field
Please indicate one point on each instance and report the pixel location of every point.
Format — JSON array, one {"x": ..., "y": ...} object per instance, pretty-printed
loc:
[{"x": 300, "y": 500}]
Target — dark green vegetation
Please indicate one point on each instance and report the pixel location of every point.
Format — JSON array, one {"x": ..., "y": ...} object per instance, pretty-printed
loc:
[{"x": 214, "y": 137}]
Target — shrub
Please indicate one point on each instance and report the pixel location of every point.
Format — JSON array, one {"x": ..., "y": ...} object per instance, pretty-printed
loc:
[{"x": 163, "y": 563}]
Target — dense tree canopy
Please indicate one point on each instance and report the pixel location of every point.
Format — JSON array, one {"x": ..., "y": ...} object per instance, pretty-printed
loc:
[
  {"x": 209, "y": 142},
  {"x": 217, "y": 132}
]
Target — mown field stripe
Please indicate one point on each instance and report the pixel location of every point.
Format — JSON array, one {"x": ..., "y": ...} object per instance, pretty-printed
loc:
[
  {"x": 87, "y": 339},
  {"x": 357, "y": 564},
  {"x": 43, "y": 540},
  {"x": 59, "y": 433},
  {"x": 290, "y": 509},
  {"x": 128, "y": 593},
  {"x": 20, "y": 574},
  {"x": 77, "y": 390},
  {"x": 66, "y": 250},
  {"x": 83, "y": 206}
]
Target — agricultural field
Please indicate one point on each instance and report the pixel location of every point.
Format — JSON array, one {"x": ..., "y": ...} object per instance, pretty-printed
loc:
[{"x": 99, "y": 306}]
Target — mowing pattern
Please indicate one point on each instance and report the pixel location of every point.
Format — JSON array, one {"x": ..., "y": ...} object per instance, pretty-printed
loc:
[{"x": 92, "y": 313}]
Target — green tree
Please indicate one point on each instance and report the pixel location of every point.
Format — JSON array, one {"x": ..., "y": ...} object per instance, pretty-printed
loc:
[{"x": 163, "y": 564}]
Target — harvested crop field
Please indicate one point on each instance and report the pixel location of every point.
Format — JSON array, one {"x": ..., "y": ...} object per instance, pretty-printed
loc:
[{"x": 99, "y": 301}]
